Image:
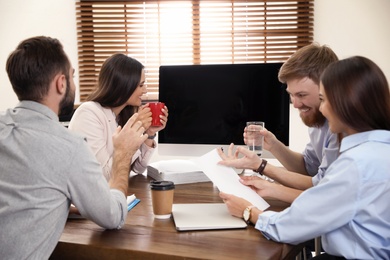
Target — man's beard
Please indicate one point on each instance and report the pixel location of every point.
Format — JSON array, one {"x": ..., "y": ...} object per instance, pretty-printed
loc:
[
  {"x": 314, "y": 120},
  {"x": 67, "y": 102}
]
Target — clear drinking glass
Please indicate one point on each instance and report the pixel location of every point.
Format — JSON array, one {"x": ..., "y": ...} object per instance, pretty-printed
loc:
[{"x": 255, "y": 140}]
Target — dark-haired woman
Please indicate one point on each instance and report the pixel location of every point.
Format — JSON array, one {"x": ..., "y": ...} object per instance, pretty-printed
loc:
[
  {"x": 349, "y": 207},
  {"x": 121, "y": 85}
]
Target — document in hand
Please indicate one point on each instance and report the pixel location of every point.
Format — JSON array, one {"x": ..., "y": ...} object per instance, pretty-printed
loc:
[
  {"x": 227, "y": 180},
  {"x": 177, "y": 171}
]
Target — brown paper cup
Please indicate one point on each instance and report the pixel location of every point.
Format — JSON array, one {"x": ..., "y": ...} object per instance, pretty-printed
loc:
[{"x": 162, "y": 198}]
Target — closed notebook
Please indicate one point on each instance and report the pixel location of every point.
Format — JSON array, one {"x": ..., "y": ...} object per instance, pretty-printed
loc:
[{"x": 204, "y": 216}]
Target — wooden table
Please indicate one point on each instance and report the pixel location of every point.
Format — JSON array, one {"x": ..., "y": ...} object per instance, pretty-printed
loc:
[{"x": 144, "y": 237}]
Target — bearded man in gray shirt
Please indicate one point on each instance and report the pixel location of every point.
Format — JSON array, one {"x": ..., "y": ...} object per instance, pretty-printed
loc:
[{"x": 43, "y": 166}]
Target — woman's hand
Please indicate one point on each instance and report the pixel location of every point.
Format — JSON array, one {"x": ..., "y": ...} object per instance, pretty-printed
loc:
[
  {"x": 145, "y": 116},
  {"x": 262, "y": 187},
  {"x": 152, "y": 130},
  {"x": 236, "y": 205}
]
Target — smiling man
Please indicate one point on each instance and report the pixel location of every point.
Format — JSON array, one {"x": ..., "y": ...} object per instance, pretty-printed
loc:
[{"x": 301, "y": 72}]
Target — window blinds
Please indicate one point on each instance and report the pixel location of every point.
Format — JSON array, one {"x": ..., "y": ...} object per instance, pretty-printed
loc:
[{"x": 188, "y": 32}]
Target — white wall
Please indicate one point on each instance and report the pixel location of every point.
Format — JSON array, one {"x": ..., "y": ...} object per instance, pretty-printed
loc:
[
  {"x": 349, "y": 27},
  {"x": 355, "y": 27},
  {"x": 21, "y": 19}
]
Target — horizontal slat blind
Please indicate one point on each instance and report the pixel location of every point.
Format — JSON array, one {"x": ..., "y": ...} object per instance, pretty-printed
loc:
[{"x": 188, "y": 32}]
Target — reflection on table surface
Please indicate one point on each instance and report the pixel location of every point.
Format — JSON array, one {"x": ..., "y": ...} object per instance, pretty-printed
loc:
[{"x": 144, "y": 237}]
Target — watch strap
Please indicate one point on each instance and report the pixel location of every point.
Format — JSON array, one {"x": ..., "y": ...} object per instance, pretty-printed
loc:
[{"x": 261, "y": 167}]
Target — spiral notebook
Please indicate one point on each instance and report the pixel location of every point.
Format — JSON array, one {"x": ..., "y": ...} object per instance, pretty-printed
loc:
[{"x": 204, "y": 216}]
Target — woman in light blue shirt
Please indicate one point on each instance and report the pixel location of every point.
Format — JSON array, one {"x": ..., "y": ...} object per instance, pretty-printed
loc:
[{"x": 352, "y": 213}]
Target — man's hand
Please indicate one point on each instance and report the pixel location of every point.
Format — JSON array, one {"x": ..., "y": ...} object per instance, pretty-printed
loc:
[
  {"x": 269, "y": 139},
  {"x": 145, "y": 116},
  {"x": 249, "y": 161},
  {"x": 128, "y": 139}
]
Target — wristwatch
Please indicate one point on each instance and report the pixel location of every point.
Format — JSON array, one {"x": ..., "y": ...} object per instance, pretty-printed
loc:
[
  {"x": 152, "y": 136},
  {"x": 246, "y": 215}
]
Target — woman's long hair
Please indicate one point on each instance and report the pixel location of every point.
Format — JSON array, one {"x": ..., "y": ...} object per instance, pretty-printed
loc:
[
  {"x": 119, "y": 77},
  {"x": 358, "y": 93}
]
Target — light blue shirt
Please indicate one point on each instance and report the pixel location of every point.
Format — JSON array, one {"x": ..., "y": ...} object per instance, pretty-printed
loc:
[
  {"x": 349, "y": 207},
  {"x": 320, "y": 152}
]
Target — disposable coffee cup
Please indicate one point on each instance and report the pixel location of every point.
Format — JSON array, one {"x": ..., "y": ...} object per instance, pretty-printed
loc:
[
  {"x": 162, "y": 198},
  {"x": 155, "y": 108}
]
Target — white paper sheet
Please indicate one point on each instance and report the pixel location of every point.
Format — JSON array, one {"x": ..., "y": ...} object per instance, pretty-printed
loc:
[{"x": 227, "y": 180}]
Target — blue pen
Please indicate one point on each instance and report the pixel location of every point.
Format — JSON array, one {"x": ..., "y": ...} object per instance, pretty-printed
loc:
[{"x": 133, "y": 204}]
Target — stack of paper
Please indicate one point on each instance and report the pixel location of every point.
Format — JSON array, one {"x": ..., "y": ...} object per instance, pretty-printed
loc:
[{"x": 177, "y": 171}]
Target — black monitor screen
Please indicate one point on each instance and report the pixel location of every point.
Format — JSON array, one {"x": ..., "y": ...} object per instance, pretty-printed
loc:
[{"x": 210, "y": 104}]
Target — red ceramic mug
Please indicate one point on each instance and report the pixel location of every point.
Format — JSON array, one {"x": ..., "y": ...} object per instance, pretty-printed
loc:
[{"x": 155, "y": 108}]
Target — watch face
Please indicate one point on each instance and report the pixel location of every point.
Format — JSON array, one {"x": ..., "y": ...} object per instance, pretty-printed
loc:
[{"x": 246, "y": 214}]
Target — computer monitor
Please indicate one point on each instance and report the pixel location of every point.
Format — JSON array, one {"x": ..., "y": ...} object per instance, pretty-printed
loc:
[{"x": 209, "y": 105}]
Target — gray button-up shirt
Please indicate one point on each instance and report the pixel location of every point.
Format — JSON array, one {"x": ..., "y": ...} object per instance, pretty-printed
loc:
[{"x": 43, "y": 169}]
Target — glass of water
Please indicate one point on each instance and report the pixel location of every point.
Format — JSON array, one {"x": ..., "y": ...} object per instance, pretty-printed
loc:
[
  {"x": 255, "y": 142},
  {"x": 254, "y": 139}
]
